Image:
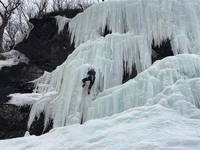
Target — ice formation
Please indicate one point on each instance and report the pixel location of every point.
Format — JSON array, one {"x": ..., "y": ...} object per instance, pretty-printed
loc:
[
  {"x": 134, "y": 24},
  {"x": 106, "y": 55},
  {"x": 177, "y": 20},
  {"x": 61, "y": 22},
  {"x": 173, "y": 82},
  {"x": 20, "y": 99}
]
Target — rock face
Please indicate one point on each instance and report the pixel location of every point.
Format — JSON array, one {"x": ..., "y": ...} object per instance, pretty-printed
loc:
[
  {"x": 45, "y": 46},
  {"x": 46, "y": 49},
  {"x": 15, "y": 79},
  {"x": 12, "y": 121}
]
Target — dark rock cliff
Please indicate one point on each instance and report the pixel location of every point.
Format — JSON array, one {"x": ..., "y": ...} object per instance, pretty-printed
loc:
[
  {"x": 46, "y": 49},
  {"x": 44, "y": 46},
  {"x": 15, "y": 79}
]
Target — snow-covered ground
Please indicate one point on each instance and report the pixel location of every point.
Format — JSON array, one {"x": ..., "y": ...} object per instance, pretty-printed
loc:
[
  {"x": 13, "y": 57},
  {"x": 142, "y": 128}
]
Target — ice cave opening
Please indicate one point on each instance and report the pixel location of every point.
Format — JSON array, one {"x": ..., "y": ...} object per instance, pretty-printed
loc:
[
  {"x": 126, "y": 75},
  {"x": 159, "y": 51},
  {"x": 162, "y": 50}
]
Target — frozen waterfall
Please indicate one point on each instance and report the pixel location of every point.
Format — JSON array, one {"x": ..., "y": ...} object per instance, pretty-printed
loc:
[{"x": 133, "y": 25}]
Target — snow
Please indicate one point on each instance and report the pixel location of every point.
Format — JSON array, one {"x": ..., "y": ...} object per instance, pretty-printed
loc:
[
  {"x": 24, "y": 99},
  {"x": 61, "y": 22},
  {"x": 13, "y": 57},
  {"x": 142, "y": 128},
  {"x": 27, "y": 134},
  {"x": 20, "y": 99}
]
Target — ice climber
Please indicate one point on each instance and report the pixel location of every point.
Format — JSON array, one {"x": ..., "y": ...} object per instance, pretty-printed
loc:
[{"x": 90, "y": 77}]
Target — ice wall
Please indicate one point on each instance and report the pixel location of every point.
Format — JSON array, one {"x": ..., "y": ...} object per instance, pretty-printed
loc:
[
  {"x": 134, "y": 24},
  {"x": 106, "y": 55},
  {"x": 177, "y": 20},
  {"x": 173, "y": 82}
]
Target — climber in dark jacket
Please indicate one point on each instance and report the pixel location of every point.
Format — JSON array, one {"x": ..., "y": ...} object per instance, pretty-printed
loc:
[{"x": 91, "y": 77}]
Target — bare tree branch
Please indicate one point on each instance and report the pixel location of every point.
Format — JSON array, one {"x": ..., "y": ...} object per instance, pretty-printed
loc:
[
  {"x": 3, "y": 4},
  {"x": 5, "y": 17},
  {"x": 42, "y": 7}
]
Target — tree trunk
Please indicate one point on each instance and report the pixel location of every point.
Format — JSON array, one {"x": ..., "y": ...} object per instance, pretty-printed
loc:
[
  {"x": 1, "y": 40},
  {"x": 2, "y": 28}
]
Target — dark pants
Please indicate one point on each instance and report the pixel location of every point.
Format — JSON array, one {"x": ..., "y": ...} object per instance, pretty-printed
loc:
[{"x": 89, "y": 79}]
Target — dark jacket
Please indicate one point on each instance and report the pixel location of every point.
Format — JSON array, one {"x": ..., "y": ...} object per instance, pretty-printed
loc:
[{"x": 91, "y": 74}]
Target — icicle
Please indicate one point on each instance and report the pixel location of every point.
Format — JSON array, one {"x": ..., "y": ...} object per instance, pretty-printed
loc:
[
  {"x": 176, "y": 20},
  {"x": 61, "y": 22}
]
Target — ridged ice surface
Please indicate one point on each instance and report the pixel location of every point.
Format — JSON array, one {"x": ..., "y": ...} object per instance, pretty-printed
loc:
[{"x": 173, "y": 82}]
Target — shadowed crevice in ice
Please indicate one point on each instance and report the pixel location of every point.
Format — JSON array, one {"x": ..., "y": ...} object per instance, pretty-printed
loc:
[
  {"x": 162, "y": 50},
  {"x": 159, "y": 52},
  {"x": 106, "y": 31},
  {"x": 127, "y": 75}
]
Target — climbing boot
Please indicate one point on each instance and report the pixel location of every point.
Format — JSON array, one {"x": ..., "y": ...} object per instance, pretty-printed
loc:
[
  {"x": 88, "y": 91},
  {"x": 83, "y": 85}
]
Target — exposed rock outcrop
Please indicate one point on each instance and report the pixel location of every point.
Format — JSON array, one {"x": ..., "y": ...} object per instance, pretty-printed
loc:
[
  {"x": 46, "y": 49},
  {"x": 12, "y": 121},
  {"x": 45, "y": 46},
  {"x": 15, "y": 79}
]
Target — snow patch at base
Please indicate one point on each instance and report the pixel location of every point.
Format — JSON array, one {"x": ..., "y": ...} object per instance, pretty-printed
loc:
[{"x": 141, "y": 128}]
